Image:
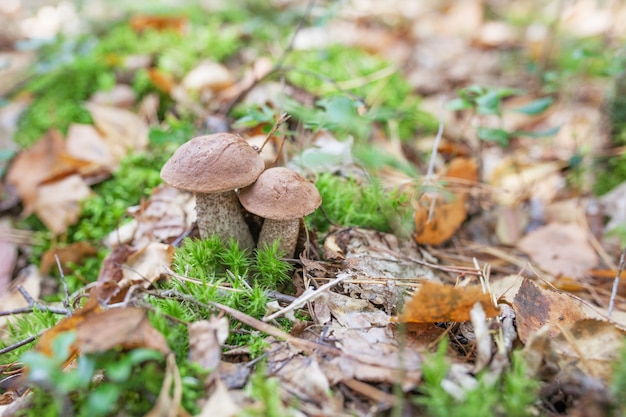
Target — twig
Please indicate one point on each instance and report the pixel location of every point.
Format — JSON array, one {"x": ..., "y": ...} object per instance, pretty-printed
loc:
[
  {"x": 433, "y": 155},
  {"x": 282, "y": 119},
  {"x": 19, "y": 344},
  {"x": 616, "y": 282},
  {"x": 66, "y": 300},
  {"x": 300, "y": 301},
  {"x": 32, "y": 306},
  {"x": 303, "y": 344}
]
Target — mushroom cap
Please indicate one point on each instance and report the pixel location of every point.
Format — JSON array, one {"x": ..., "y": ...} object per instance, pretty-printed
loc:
[
  {"x": 280, "y": 194},
  {"x": 212, "y": 164}
]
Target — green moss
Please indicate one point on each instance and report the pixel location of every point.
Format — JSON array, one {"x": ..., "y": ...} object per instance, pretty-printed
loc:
[
  {"x": 611, "y": 173},
  {"x": 348, "y": 202}
]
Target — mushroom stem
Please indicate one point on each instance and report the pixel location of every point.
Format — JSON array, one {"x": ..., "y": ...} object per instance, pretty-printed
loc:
[
  {"x": 285, "y": 232},
  {"x": 221, "y": 214}
]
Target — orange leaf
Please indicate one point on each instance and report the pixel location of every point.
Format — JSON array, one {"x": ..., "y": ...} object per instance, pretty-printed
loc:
[
  {"x": 142, "y": 22},
  {"x": 449, "y": 211},
  {"x": 434, "y": 303},
  {"x": 161, "y": 80},
  {"x": 447, "y": 218}
]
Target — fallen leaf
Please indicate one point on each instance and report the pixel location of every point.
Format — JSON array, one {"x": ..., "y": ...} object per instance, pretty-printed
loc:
[
  {"x": 122, "y": 130},
  {"x": 594, "y": 345},
  {"x": 70, "y": 254},
  {"x": 144, "y": 266},
  {"x": 206, "y": 338},
  {"x": 30, "y": 279},
  {"x": 162, "y": 80},
  {"x": 8, "y": 257},
  {"x": 99, "y": 330},
  {"x": 32, "y": 166},
  {"x": 560, "y": 249},
  {"x": 434, "y": 303},
  {"x": 220, "y": 403},
  {"x": 536, "y": 306},
  {"x": 140, "y": 23},
  {"x": 438, "y": 215},
  {"x": 86, "y": 143},
  {"x": 111, "y": 274},
  {"x": 58, "y": 203},
  {"x": 126, "y": 328},
  {"x": 208, "y": 75}
]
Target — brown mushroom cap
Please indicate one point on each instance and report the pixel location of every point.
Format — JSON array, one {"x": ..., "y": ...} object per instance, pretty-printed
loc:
[
  {"x": 280, "y": 194},
  {"x": 212, "y": 164}
]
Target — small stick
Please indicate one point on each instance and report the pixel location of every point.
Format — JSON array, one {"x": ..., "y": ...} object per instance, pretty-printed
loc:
[
  {"x": 19, "y": 344},
  {"x": 616, "y": 282},
  {"x": 299, "y": 302},
  {"x": 66, "y": 300}
]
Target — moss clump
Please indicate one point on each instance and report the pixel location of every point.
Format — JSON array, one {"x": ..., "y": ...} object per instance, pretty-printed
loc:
[{"x": 348, "y": 202}]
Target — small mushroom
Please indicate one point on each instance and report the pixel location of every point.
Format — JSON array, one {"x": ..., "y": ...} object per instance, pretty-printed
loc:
[
  {"x": 212, "y": 167},
  {"x": 282, "y": 197}
]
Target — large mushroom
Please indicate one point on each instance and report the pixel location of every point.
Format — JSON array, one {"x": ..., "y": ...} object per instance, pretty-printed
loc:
[
  {"x": 212, "y": 167},
  {"x": 282, "y": 197}
]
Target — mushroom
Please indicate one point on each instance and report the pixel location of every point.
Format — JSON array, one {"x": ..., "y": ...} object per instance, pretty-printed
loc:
[
  {"x": 212, "y": 167},
  {"x": 282, "y": 197}
]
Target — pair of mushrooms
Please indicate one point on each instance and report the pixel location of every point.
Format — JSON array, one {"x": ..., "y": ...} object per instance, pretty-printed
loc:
[{"x": 214, "y": 166}]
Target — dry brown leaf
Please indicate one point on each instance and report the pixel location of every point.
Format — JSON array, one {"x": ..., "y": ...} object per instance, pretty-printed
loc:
[
  {"x": 449, "y": 210},
  {"x": 434, "y": 303},
  {"x": 8, "y": 257},
  {"x": 58, "y": 203},
  {"x": 536, "y": 306},
  {"x": 208, "y": 75},
  {"x": 140, "y": 23},
  {"x": 515, "y": 183},
  {"x": 594, "y": 345},
  {"x": 145, "y": 266},
  {"x": 32, "y": 166},
  {"x": 70, "y": 254},
  {"x": 29, "y": 279},
  {"x": 125, "y": 328},
  {"x": 86, "y": 143},
  {"x": 560, "y": 249},
  {"x": 164, "y": 217},
  {"x": 206, "y": 338},
  {"x": 122, "y": 130},
  {"x": 162, "y": 80},
  {"x": 98, "y": 330},
  {"x": 220, "y": 403},
  {"x": 107, "y": 287}
]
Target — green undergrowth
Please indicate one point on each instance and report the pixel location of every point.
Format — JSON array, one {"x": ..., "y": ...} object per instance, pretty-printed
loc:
[
  {"x": 362, "y": 203},
  {"x": 72, "y": 70},
  {"x": 514, "y": 394},
  {"x": 225, "y": 274},
  {"x": 342, "y": 75}
]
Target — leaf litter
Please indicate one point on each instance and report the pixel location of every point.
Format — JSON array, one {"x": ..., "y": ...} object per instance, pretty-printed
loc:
[{"x": 392, "y": 299}]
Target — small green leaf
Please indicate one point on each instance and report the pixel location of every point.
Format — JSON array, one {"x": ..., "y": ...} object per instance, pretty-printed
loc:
[
  {"x": 103, "y": 399},
  {"x": 500, "y": 136},
  {"x": 459, "y": 104},
  {"x": 541, "y": 134},
  {"x": 535, "y": 107},
  {"x": 489, "y": 103}
]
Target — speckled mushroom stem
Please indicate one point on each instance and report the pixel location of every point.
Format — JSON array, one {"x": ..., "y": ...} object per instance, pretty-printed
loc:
[
  {"x": 221, "y": 214},
  {"x": 285, "y": 232}
]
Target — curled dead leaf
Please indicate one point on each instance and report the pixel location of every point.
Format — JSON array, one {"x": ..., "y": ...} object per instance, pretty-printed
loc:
[{"x": 434, "y": 303}]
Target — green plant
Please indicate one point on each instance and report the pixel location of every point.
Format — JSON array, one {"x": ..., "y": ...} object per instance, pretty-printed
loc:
[
  {"x": 131, "y": 381},
  {"x": 513, "y": 394},
  {"x": 618, "y": 381},
  {"x": 270, "y": 271},
  {"x": 348, "y": 202},
  {"x": 488, "y": 102},
  {"x": 265, "y": 390}
]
